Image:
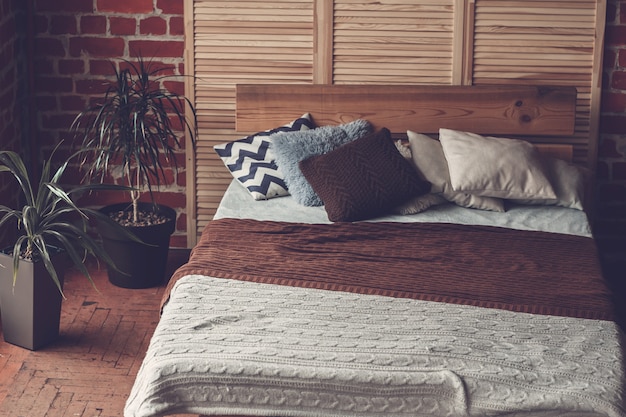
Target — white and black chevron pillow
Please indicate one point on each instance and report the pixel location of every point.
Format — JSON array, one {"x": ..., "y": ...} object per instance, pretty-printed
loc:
[{"x": 251, "y": 160}]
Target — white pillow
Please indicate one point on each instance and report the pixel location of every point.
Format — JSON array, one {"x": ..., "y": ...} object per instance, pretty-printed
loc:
[
  {"x": 495, "y": 167},
  {"x": 568, "y": 182},
  {"x": 430, "y": 162}
]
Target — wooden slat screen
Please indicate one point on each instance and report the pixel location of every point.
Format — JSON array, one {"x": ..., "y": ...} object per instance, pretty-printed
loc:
[
  {"x": 393, "y": 42},
  {"x": 235, "y": 42},
  {"x": 418, "y": 42},
  {"x": 545, "y": 43}
]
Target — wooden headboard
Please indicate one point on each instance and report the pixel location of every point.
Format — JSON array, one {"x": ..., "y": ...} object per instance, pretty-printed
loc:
[
  {"x": 540, "y": 114},
  {"x": 503, "y": 110}
]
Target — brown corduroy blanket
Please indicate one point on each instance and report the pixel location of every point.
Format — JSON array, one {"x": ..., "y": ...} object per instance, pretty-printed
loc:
[{"x": 524, "y": 271}]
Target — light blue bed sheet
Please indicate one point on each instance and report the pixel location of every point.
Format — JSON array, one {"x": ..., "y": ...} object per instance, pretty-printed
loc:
[{"x": 237, "y": 203}]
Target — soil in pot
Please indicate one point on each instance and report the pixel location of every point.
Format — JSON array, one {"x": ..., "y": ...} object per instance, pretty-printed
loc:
[{"x": 140, "y": 265}]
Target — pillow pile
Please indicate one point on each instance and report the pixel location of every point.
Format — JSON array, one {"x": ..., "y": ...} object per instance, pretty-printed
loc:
[
  {"x": 292, "y": 147},
  {"x": 568, "y": 182},
  {"x": 430, "y": 162},
  {"x": 482, "y": 172},
  {"x": 357, "y": 174},
  {"x": 251, "y": 160},
  {"x": 364, "y": 178},
  {"x": 494, "y": 167}
]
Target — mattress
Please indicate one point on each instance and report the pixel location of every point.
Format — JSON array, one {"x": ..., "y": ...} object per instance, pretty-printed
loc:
[{"x": 231, "y": 346}]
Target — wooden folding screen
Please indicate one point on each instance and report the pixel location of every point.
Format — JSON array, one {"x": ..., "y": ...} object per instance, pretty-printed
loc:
[{"x": 446, "y": 42}]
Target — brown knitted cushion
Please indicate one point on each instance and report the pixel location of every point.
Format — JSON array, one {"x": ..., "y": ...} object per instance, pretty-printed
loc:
[{"x": 363, "y": 179}]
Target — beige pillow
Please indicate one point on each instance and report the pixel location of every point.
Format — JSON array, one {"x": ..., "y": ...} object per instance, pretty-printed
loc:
[
  {"x": 420, "y": 203},
  {"x": 568, "y": 183},
  {"x": 430, "y": 162},
  {"x": 495, "y": 167}
]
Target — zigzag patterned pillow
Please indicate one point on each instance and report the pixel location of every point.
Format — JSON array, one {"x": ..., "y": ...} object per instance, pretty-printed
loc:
[{"x": 251, "y": 160}]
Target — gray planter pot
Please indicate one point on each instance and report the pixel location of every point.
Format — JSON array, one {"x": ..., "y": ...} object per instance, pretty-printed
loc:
[{"x": 31, "y": 311}]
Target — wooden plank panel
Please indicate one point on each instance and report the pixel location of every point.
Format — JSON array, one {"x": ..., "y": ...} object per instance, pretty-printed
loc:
[
  {"x": 488, "y": 109},
  {"x": 190, "y": 154},
  {"x": 564, "y": 152},
  {"x": 237, "y": 42},
  {"x": 384, "y": 33}
]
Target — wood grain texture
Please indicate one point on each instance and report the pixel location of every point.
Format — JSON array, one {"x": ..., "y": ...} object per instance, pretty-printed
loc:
[
  {"x": 514, "y": 110},
  {"x": 564, "y": 152}
]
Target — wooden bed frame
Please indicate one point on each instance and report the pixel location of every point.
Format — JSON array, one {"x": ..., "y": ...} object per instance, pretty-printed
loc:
[{"x": 542, "y": 115}]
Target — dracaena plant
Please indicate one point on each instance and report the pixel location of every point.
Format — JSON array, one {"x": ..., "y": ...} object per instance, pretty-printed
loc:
[
  {"x": 135, "y": 126},
  {"x": 49, "y": 220}
]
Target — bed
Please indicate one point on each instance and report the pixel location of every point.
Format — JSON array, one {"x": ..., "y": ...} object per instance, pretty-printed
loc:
[{"x": 417, "y": 288}]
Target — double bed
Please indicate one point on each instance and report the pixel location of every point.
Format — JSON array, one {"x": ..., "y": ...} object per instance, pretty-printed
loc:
[{"x": 409, "y": 292}]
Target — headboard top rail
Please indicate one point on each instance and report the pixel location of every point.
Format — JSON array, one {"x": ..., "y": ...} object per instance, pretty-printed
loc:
[{"x": 503, "y": 110}]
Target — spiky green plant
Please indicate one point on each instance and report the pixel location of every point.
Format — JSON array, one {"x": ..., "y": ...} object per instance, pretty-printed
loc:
[
  {"x": 49, "y": 218},
  {"x": 133, "y": 126}
]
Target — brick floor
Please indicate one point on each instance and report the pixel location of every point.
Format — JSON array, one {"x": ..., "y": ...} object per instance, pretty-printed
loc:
[{"x": 90, "y": 370}]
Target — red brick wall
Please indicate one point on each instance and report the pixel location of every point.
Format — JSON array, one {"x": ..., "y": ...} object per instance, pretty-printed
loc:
[
  {"x": 76, "y": 41},
  {"x": 610, "y": 224},
  {"x": 76, "y": 38},
  {"x": 12, "y": 97}
]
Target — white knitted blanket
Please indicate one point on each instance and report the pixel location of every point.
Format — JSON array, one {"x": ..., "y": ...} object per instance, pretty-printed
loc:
[{"x": 226, "y": 347}]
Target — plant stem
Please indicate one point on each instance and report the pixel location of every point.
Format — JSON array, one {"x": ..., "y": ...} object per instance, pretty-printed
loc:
[
  {"x": 136, "y": 198},
  {"x": 134, "y": 194}
]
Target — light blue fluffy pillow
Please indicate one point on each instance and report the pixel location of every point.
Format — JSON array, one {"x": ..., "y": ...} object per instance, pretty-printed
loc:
[{"x": 292, "y": 147}]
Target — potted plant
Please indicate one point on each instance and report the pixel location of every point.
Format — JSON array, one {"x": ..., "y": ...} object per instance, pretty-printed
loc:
[
  {"x": 136, "y": 126},
  {"x": 52, "y": 233}
]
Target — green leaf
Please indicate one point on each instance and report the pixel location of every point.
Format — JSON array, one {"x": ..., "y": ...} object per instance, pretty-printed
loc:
[
  {"x": 40, "y": 243},
  {"x": 75, "y": 257},
  {"x": 12, "y": 162},
  {"x": 59, "y": 192},
  {"x": 51, "y": 217},
  {"x": 133, "y": 125}
]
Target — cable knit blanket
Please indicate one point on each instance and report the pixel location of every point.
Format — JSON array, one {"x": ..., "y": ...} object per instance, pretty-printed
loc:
[{"x": 233, "y": 347}]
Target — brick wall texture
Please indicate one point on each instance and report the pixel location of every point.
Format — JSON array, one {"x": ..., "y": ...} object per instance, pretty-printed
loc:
[
  {"x": 75, "y": 41},
  {"x": 610, "y": 219},
  {"x": 12, "y": 98},
  {"x": 76, "y": 44}
]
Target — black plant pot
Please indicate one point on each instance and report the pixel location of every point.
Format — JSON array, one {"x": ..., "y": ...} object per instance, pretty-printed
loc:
[
  {"x": 140, "y": 265},
  {"x": 31, "y": 312}
]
